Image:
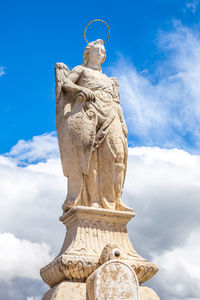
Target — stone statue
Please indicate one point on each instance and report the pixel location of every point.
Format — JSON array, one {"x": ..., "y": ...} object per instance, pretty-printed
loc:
[
  {"x": 91, "y": 132},
  {"x": 97, "y": 259}
]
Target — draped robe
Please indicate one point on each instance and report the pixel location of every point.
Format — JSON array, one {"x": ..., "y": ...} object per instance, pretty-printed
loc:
[{"x": 92, "y": 142}]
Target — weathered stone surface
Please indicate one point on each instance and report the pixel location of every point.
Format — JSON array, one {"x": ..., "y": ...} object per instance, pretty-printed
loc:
[
  {"x": 93, "y": 146},
  {"x": 147, "y": 293},
  {"x": 89, "y": 230},
  {"x": 77, "y": 291},
  {"x": 67, "y": 291},
  {"x": 114, "y": 280},
  {"x": 91, "y": 132}
]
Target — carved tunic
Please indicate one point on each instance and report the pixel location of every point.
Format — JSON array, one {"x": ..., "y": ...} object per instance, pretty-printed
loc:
[{"x": 93, "y": 145}]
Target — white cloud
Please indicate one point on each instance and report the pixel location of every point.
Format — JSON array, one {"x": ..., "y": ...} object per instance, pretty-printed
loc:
[
  {"x": 2, "y": 71},
  {"x": 33, "y": 194},
  {"x": 162, "y": 107},
  {"x": 180, "y": 268},
  {"x": 177, "y": 256},
  {"x": 192, "y": 5},
  {"x": 162, "y": 185},
  {"x": 20, "y": 257},
  {"x": 33, "y": 298},
  {"x": 39, "y": 148},
  {"x": 19, "y": 288}
]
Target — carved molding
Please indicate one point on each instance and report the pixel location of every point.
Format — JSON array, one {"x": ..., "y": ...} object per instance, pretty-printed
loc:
[{"x": 89, "y": 230}]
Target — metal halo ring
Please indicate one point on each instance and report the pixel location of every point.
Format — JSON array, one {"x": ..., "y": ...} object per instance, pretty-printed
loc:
[{"x": 96, "y": 21}]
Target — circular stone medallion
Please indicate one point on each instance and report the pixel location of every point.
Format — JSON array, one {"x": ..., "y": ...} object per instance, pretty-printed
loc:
[{"x": 114, "y": 280}]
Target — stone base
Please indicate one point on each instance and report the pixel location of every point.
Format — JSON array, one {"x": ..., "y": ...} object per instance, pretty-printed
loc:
[
  {"x": 67, "y": 290},
  {"x": 89, "y": 230},
  {"x": 148, "y": 294},
  {"x": 77, "y": 291}
]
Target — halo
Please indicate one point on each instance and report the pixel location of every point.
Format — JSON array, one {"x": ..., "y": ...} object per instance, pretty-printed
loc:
[{"x": 96, "y": 21}]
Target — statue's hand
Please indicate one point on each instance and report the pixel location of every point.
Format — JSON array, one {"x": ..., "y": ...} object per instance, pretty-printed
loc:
[{"x": 90, "y": 96}]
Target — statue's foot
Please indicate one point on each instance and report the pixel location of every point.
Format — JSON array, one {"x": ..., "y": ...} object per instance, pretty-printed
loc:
[
  {"x": 122, "y": 207},
  {"x": 95, "y": 205},
  {"x": 68, "y": 205}
]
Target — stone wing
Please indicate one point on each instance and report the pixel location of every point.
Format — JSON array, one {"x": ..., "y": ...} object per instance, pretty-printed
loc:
[
  {"x": 64, "y": 103},
  {"x": 76, "y": 124}
]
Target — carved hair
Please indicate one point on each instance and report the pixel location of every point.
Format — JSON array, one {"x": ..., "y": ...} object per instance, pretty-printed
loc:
[{"x": 87, "y": 50}]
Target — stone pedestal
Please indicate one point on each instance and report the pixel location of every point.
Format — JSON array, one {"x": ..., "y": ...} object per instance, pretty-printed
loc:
[{"x": 89, "y": 230}]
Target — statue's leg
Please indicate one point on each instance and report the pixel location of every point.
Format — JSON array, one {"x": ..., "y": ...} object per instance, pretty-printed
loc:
[
  {"x": 106, "y": 173},
  {"x": 74, "y": 190},
  {"x": 119, "y": 176},
  {"x": 91, "y": 187}
]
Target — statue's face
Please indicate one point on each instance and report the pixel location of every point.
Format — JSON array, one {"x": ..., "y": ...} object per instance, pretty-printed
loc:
[{"x": 96, "y": 54}]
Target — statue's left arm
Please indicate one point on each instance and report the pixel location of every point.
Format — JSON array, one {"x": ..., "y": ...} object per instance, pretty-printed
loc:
[
  {"x": 121, "y": 117},
  {"x": 116, "y": 99}
]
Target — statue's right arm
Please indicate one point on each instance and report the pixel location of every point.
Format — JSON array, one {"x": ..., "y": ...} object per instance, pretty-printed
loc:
[
  {"x": 70, "y": 82},
  {"x": 71, "y": 86}
]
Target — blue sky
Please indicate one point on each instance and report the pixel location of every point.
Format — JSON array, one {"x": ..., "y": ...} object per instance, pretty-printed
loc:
[
  {"x": 37, "y": 34},
  {"x": 154, "y": 50}
]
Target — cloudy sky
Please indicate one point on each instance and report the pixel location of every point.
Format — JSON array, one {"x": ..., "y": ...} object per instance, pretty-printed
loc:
[{"x": 154, "y": 50}]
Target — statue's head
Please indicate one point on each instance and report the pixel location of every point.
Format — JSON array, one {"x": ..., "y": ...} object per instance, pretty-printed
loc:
[{"x": 94, "y": 53}]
